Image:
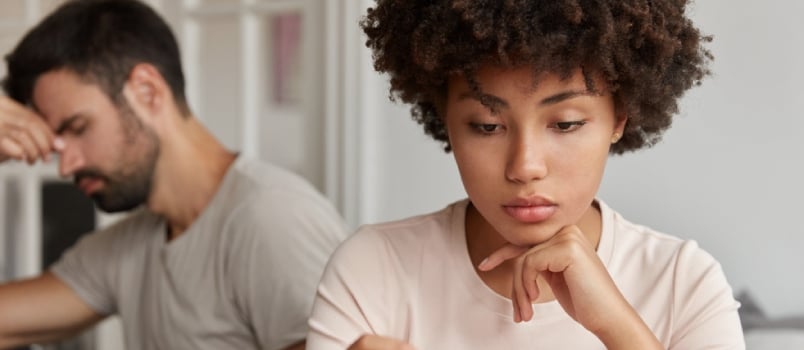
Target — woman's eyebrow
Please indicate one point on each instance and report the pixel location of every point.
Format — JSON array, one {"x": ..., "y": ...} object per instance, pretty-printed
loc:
[
  {"x": 566, "y": 95},
  {"x": 550, "y": 100},
  {"x": 494, "y": 103}
]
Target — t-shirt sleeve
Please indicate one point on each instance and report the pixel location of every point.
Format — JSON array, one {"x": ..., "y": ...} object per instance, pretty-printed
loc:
[
  {"x": 360, "y": 293},
  {"x": 284, "y": 245},
  {"x": 88, "y": 268},
  {"x": 704, "y": 309}
]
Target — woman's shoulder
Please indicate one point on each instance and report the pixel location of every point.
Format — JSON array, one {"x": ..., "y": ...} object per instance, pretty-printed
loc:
[
  {"x": 672, "y": 281},
  {"x": 399, "y": 242},
  {"x": 627, "y": 234},
  {"x": 439, "y": 221},
  {"x": 656, "y": 249}
]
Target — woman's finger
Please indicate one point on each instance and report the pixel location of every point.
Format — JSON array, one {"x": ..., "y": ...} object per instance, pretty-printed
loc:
[
  {"x": 507, "y": 252},
  {"x": 529, "y": 277},
  {"x": 520, "y": 299}
]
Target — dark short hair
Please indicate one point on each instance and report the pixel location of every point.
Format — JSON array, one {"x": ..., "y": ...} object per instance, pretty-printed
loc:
[
  {"x": 647, "y": 51},
  {"x": 101, "y": 41}
]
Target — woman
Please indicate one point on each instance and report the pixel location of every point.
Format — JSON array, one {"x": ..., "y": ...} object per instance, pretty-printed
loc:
[{"x": 531, "y": 97}]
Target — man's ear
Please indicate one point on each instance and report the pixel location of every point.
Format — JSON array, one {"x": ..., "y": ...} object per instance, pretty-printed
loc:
[{"x": 146, "y": 92}]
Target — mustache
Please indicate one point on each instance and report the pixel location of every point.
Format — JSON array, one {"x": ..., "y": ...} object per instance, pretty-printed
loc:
[{"x": 89, "y": 173}]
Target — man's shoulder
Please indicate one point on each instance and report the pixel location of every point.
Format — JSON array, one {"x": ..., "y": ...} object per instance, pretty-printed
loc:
[
  {"x": 263, "y": 191},
  {"x": 268, "y": 201},
  {"x": 260, "y": 176}
]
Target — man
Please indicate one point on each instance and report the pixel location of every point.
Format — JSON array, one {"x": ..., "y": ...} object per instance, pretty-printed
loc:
[{"x": 226, "y": 252}]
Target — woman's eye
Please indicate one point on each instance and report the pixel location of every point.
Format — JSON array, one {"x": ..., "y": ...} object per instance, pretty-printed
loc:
[
  {"x": 486, "y": 129},
  {"x": 568, "y": 126}
]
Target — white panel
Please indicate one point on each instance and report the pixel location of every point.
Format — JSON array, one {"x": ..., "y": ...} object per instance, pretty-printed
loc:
[
  {"x": 286, "y": 138},
  {"x": 110, "y": 334},
  {"x": 218, "y": 2},
  {"x": 219, "y": 82},
  {"x": 8, "y": 40},
  {"x": 47, "y": 6},
  {"x": 28, "y": 242},
  {"x": 333, "y": 158},
  {"x": 272, "y": 80},
  {"x": 252, "y": 84},
  {"x": 12, "y": 11},
  {"x": 309, "y": 91},
  {"x": 5, "y": 206},
  {"x": 345, "y": 174}
]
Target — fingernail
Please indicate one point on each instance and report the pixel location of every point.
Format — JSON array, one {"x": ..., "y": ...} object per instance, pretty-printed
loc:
[
  {"x": 483, "y": 263},
  {"x": 58, "y": 144}
]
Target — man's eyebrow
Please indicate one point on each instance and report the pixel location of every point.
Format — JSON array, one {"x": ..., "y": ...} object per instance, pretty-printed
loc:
[
  {"x": 566, "y": 95},
  {"x": 65, "y": 124}
]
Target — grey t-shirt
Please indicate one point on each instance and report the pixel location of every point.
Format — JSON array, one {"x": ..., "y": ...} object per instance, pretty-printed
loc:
[{"x": 243, "y": 276}]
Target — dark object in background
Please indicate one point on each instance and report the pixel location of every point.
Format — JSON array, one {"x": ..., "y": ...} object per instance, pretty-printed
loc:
[
  {"x": 67, "y": 214},
  {"x": 753, "y": 317}
]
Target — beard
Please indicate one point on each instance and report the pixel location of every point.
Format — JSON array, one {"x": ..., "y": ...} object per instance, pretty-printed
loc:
[
  {"x": 123, "y": 190},
  {"x": 130, "y": 185}
]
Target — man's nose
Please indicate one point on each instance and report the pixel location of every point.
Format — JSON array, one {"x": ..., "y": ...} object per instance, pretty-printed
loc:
[{"x": 70, "y": 160}]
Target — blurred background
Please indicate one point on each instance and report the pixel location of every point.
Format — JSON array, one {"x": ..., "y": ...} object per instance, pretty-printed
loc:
[{"x": 290, "y": 82}]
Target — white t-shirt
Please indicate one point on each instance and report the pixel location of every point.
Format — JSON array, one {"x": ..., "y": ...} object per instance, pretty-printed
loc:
[
  {"x": 413, "y": 280},
  {"x": 243, "y": 275}
]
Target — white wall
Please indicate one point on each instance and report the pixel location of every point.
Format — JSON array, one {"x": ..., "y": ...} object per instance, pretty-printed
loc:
[
  {"x": 728, "y": 174},
  {"x": 389, "y": 168},
  {"x": 730, "y": 171},
  {"x": 407, "y": 173}
]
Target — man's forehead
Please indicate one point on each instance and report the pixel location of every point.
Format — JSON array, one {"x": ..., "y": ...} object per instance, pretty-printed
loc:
[{"x": 61, "y": 94}]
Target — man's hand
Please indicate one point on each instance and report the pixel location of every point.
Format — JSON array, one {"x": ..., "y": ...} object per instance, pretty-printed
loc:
[
  {"x": 24, "y": 135},
  {"x": 375, "y": 342}
]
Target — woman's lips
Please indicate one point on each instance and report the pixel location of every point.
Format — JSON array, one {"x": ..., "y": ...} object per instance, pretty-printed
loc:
[{"x": 530, "y": 210}]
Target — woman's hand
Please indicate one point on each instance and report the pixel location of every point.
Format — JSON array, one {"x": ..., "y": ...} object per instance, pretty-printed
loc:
[
  {"x": 568, "y": 263},
  {"x": 23, "y": 134},
  {"x": 375, "y": 342}
]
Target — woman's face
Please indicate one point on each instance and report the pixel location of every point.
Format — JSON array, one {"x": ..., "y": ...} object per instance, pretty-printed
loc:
[{"x": 533, "y": 162}]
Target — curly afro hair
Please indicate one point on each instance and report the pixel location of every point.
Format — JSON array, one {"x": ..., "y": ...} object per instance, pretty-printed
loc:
[{"x": 647, "y": 51}]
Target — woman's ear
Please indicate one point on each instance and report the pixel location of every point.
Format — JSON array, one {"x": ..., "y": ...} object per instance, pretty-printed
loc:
[
  {"x": 619, "y": 127},
  {"x": 621, "y": 119}
]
